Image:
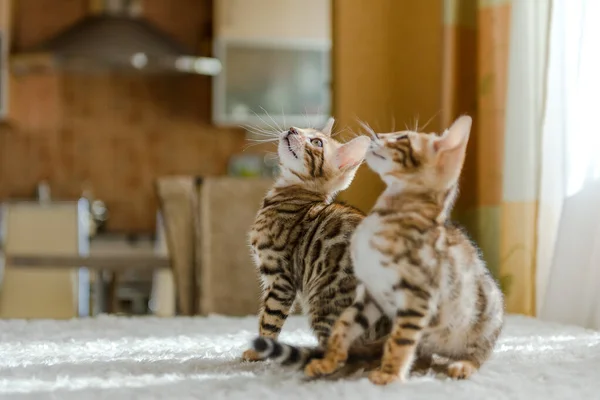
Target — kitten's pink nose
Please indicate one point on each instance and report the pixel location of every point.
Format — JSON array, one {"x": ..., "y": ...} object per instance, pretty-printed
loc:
[{"x": 293, "y": 131}]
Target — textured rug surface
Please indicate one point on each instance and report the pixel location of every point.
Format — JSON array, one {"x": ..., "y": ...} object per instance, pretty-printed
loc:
[{"x": 197, "y": 358}]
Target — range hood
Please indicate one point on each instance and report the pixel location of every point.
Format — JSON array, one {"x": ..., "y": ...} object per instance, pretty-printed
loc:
[{"x": 113, "y": 37}]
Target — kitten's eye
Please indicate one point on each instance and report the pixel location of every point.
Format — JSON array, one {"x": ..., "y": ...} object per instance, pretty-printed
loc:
[{"x": 316, "y": 142}]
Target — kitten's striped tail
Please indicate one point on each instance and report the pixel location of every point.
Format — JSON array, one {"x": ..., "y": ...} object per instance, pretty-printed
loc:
[
  {"x": 285, "y": 354},
  {"x": 289, "y": 355}
]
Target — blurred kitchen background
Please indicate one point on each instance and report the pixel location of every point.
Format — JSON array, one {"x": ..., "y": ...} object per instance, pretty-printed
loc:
[
  {"x": 110, "y": 108},
  {"x": 126, "y": 179}
]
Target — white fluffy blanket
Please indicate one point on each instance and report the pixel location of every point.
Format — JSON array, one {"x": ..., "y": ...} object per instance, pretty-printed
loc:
[{"x": 196, "y": 358}]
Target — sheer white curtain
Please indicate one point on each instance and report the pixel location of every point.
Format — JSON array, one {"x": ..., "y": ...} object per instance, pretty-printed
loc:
[{"x": 568, "y": 251}]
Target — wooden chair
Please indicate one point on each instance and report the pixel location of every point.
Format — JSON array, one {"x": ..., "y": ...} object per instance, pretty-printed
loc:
[{"x": 206, "y": 223}]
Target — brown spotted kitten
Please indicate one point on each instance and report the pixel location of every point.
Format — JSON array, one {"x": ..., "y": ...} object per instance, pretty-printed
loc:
[
  {"x": 415, "y": 266},
  {"x": 300, "y": 239}
]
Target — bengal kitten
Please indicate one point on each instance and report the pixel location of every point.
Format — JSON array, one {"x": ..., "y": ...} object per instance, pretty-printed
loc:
[
  {"x": 300, "y": 239},
  {"x": 416, "y": 267}
]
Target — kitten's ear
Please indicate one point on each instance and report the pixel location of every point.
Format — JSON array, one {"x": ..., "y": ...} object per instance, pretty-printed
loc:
[
  {"x": 353, "y": 153},
  {"x": 451, "y": 147},
  {"x": 328, "y": 128}
]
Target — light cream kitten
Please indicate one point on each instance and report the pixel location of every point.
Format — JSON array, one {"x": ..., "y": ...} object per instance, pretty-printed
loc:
[{"x": 415, "y": 266}]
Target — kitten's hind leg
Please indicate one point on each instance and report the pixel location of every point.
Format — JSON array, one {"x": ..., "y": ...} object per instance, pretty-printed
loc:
[
  {"x": 465, "y": 366},
  {"x": 351, "y": 324},
  {"x": 462, "y": 369},
  {"x": 480, "y": 340},
  {"x": 401, "y": 346},
  {"x": 478, "y": 351},
  {"x": 276, "y": 303}
]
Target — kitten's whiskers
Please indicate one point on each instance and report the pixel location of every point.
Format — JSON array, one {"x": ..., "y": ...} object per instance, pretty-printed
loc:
[
  {"x": 271, "y": 118},
  {"x": 431, "y": 119},
  {"x": 265, "y": 122},
  {"x": 369, "y": 130}
]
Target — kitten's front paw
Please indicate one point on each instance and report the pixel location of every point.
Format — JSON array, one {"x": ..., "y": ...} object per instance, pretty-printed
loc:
[
  {"x": 382, "y": 378},
  {"x": 461, "y": 369},
  {"x": 321, "y": 367},
  {"x": 251, "y": 355}
]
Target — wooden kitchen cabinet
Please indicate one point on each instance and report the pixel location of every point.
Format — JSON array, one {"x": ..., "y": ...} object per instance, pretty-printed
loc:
[
  {"x": 276, "y": 62},
  {"x": 44, "y": 292}
]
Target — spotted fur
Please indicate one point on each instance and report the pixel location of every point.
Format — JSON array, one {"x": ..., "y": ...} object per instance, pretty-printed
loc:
[
  {"x": 300, "y": 239},
  {"x": 416, "y": 267}
]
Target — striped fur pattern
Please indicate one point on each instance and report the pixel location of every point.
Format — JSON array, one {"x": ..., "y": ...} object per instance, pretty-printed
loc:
[
  {"x": 286, "y": 354},
  {"x": 300, "y": 239},
  {"x": 416, "y": 267},
  {"x": 361, "y": 357}
]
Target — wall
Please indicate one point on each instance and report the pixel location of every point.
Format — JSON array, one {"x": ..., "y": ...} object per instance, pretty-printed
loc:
[
  {"x": 387, "y": 70},
  {"x": 116, "y": 134}
]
